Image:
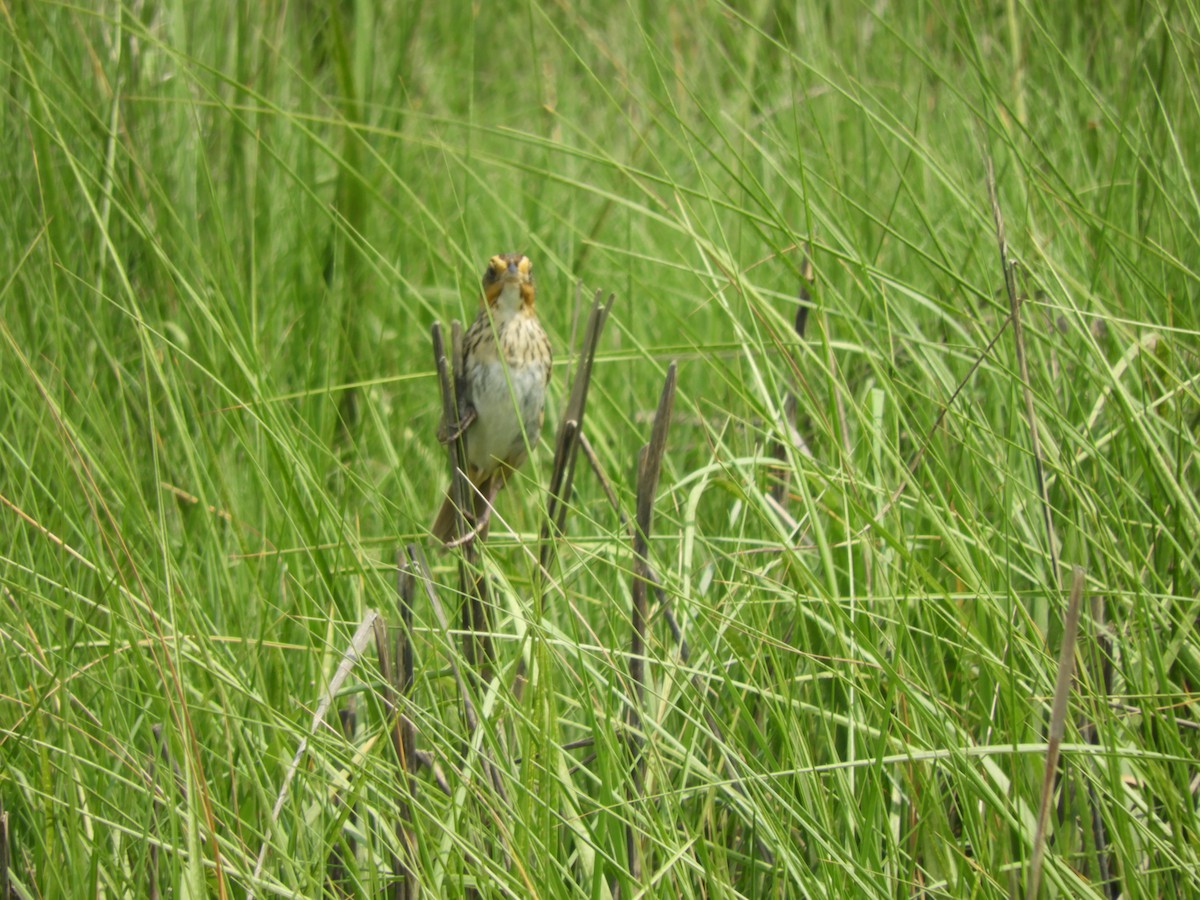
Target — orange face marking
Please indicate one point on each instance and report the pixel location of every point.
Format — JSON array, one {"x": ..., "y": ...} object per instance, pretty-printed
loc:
[{"x": 508, "y": 268}]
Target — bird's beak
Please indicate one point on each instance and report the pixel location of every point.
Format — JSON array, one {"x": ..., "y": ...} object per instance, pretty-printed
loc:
[{"x": 512, "y": 273}]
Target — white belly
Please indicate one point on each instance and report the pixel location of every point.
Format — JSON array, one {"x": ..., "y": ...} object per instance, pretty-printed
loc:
[{"x": 508, "y": 407}]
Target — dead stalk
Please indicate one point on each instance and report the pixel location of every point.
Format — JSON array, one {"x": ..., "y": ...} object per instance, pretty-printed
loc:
[
  {"x": 1058, "y": 718},
  {"x": 570, "y": 430},
  {"x": 649, "y": 467},
  {"x": 1014, "y": 302}
]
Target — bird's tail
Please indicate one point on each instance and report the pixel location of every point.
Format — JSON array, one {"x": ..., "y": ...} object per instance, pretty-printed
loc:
[{"x": 443, "y": 526}]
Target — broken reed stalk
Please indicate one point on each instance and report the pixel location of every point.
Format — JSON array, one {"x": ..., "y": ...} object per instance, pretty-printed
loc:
[
  {"x": 698, "y": 683},
  {"x": 405, "y": 588},
  {"x": 1091, "y": 730},
  {"x": 605, "y": 485},
  {"x": 1100, "y": 659},
  {"x": 456, "y": 449},
  {"x": 439, "y": 613},
  {"x": 1058, "y": 718},
  {"x": 476, "y": 619},
  {"x": 352, "y": 654},
  {"x": 335, "y": 863},
  {"x": 700, "y": 686},
  {"x": 570, "y": 429},
  {"x": 661, "y": 595},
  {"x": 396, "y": 671},
  {"x": 1014, "y": 302},
  {"x": 649, "y": 467},
  {"x": 470, "y": 716},
  {"x": 419, "y": 568},
  {"x": 566, "y": 445}
]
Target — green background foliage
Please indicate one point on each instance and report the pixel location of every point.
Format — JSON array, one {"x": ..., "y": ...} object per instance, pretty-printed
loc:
[{"x": 227, "y": 231}]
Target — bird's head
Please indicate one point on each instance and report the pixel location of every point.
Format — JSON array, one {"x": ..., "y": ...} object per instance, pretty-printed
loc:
[{"x": 508, "y": 282}]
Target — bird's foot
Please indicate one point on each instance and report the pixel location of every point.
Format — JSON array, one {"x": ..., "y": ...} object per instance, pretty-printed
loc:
[
  {"x": 479, "y": 528},
  {"x": 446, "y": 433}
]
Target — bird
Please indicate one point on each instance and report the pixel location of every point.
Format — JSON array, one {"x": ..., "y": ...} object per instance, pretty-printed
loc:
[{"x": 502, "y": 395}]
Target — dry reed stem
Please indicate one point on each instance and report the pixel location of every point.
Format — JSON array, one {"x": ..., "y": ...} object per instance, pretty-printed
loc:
[
  {"x": 1014, "y": 302},
  {"x": 476, "y": 618},
  {"x": 396, "y": 670},
  {"x": 1058, "y": 718},
  {"x": 570, "y": 428},
  {"x": 649, "y": 467}
]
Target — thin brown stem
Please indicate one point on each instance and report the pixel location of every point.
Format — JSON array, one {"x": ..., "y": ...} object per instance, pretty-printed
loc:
[
  {"x": 649, "y": 466},
  {"x": 396, "y": 667},
  {"x": 1090, "y": 730},
  {"x": 476, "y": 618},
  {"x": 1058, "y": 718},
  {"x": 1014, "y": 301},
  {"x": 570, "y": 428},
  {"x": 470, "y": 716}
]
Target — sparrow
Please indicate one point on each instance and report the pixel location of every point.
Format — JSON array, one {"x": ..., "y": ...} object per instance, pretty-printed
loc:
[{"x": 502, "y": 394}]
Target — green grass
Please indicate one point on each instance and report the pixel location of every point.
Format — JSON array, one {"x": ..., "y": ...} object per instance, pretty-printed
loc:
[{"x": 226, "y": 235}]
